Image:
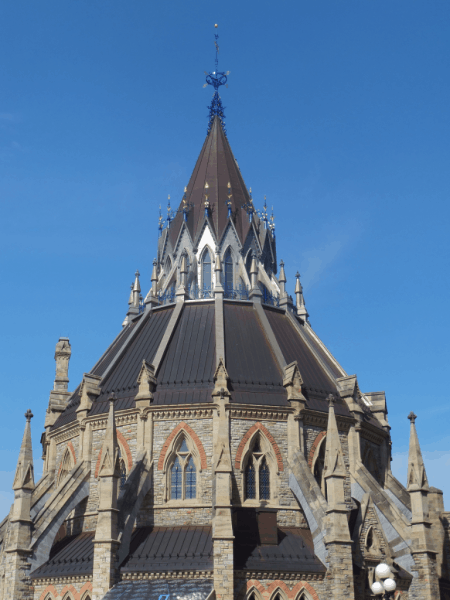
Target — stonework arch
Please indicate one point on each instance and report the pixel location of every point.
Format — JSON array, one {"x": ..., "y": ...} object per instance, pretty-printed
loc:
[
  {"x": 171, "y": 440},
  {"x": 314, "y": 448},
  {"x": 49, "y": 592},
  {"x": 68, "y": 461},
  {"x": 245, "y": 443},
  {"x": 124, "y": 450},
  {"x": 300, "y": 590}
]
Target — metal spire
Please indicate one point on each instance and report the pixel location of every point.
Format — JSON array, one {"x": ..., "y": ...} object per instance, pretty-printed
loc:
[{"x": 216, "y": 79}]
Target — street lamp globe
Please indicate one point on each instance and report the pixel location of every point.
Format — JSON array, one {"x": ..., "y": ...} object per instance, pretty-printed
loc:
[
  {"x": 389, "y": 584},
  {"x": 377, "y": 588},
  {"x": 383, "y": 571}
]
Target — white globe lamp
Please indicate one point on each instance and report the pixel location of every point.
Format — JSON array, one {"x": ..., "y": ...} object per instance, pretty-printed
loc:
[
  {"x": 389, "y": 584},
  {"x": 383, "y": 571},
  {"x": 377, "y": 588}
]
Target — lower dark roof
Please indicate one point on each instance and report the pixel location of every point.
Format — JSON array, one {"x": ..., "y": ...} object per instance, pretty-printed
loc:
[
  {"x": 294, "y": 552},
  {"x": 74, "y": 555},
  {"x": 170, "y": 549},
  {"x": 183, "y": 589}
]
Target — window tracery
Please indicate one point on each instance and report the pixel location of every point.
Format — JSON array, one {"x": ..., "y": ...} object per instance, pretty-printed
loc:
[
  {"x": 66, "y": 465},
  {"x": 318, "y": 468},
  {"x": 206, "y": 270},
  {"x": 228, "y": 271},
  {"x": 257, "y": 473},
  {"x": 183, "y": 473}
]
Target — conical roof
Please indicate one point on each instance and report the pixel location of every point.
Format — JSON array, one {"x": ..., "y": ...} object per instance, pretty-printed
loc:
[{"x": 216, "y": 166}]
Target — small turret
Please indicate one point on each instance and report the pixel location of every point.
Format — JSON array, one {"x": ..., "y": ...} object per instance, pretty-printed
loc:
[
  {"x": 334, "y": 474},
  {"x": 255, "y": 292},
  {"x": 136, "y": 289},
  {"x": 23, "y": 485},
  {"x": 282, "y": 281},
  {"x": 301, "y": 308},
  {"x": 59, "y": 395},
  {"x": 152, "y": 296}
]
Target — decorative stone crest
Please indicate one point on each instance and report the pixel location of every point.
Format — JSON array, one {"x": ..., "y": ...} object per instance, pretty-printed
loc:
[{"x": 147, "y": 385}]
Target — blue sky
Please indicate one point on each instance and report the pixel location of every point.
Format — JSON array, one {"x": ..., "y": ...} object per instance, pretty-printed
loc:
[{"x": 336, "y": 111}]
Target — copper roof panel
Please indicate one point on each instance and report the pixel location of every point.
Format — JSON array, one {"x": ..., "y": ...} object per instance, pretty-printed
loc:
[{"x": 251, "y": 365}]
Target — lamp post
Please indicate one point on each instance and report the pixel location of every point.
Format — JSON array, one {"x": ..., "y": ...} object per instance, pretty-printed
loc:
[{"x": 386, "y": 587}]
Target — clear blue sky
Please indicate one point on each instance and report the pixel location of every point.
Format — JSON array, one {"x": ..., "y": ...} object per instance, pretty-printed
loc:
[{"x": 337, "y": 111}]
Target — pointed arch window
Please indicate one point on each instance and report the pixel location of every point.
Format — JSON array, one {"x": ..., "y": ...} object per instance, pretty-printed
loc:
[
  {"x": 183, "y": 474},
  {"x": 66, "y": 465},
  {"x": 257, "y": 474},
  {"x": 319, "y": 467},
  {"x": 206, "y": 271},
  {"x": 228, "y": 271},
  {"x": 123, "y": 471},
  {"x": 264, "y": 481}
]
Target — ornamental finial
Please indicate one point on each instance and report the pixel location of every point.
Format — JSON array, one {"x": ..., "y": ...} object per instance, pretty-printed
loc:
[
  {"x": 331, "y": 399},
  {"x": 412, "y": 417},
  {"x": 216, "y": 79},
  {"x": 28, "y": 415}
]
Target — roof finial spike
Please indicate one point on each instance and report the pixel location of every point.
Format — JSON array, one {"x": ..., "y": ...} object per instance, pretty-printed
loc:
[{"x": 216, "y": 79}]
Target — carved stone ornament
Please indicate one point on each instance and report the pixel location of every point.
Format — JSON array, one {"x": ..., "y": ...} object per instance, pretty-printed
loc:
[
  {"x": 221, "y": 380},
  {"x": 147, "y": 382},
  {"x": 89, "y": 390},
  {"x": 293, "y": 382}
]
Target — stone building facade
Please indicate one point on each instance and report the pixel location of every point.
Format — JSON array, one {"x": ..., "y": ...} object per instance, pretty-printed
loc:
[{"x": 217, "y": 449}]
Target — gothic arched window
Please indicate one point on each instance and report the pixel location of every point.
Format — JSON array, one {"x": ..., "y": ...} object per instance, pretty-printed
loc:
[
  {"x": 123, "y": 471},
  {"x": 191, "y": 479},
  {"x": 264, "y": 481},
  {"x": 319, "y": 467},
  {"x": 183, "y": 474},
  {"x": 206, "y": 271},
  {"x": 176, "y": 479},
  {"x": 228, "y": 271},
  {"x": 257, "y": 474},
  {"x": 66, "y": 466},
  {"x": 250, "y": 488}
]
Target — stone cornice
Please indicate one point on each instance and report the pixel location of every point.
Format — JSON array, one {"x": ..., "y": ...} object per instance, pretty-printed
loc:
[
  {"x": 167, "y": 575},
  {"x": 281, "y": 575}
]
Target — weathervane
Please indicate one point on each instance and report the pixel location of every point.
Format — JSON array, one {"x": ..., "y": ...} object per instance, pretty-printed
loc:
[{"x": 216, "y": 79}]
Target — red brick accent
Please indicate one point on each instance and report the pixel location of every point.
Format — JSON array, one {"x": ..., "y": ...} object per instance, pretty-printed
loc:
[
  {"x": 194, "y": 438},
  {"x": 248, "y": 435},
  {"x": 72, "y": 590},
  {"x": 50, "y": 589},
  {"x": 87, "y": 587},
  {"x": 278, "y": 584},
  {"x": 319, "y": 438},
  {"x": 125, "y": 447},
  {"x": 72, "y": 450}
]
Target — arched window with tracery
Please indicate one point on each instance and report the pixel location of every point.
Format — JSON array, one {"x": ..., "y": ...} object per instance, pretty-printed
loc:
[
  {"x": 319, "y": 465},
  {"x": 206, "y": 271},
  {"x": 228, "y": 271},
  {"x": 66, "y": 465},
  {"x": 264, "y": 480},
  {"x": 183, "y": 474},
  {"x": 257, "y": 473},
  {"x": 123, "y": 471}
]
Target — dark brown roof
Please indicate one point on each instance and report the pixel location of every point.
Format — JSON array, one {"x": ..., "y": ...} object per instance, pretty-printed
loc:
[
  {"x": 186, "y": 371},
  {"x": 74, "y": 555},
  {"x": 254, "y": 373},
  {"x": 170, "y": 549},
  {"x": 215, "y": 166},
  {"x": 294, "y": 552}
]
